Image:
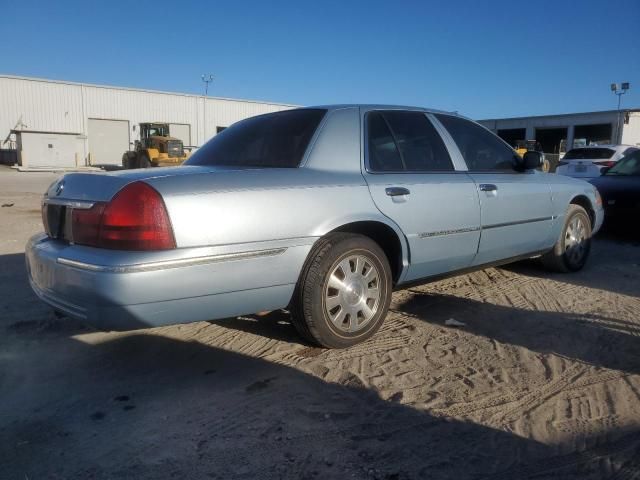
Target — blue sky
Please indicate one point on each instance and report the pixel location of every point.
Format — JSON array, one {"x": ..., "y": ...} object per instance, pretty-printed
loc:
[{"x": 483, "y": 58}]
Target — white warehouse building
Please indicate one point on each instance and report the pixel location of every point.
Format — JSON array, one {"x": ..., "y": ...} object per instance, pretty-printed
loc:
[
  {"x": 559, "y": 133},
  {"x": 59, "y": 124}
]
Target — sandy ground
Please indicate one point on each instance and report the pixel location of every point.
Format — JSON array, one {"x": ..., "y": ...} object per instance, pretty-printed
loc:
[{"x": 542, "y": 382}]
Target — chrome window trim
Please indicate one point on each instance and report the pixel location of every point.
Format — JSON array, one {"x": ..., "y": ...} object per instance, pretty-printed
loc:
[{"x": 165, "y": 264}]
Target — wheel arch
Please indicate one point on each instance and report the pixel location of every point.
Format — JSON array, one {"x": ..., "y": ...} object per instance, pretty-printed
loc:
[
  {"x": 389, "y": 237},
  {"x": 584, "y": 202}
]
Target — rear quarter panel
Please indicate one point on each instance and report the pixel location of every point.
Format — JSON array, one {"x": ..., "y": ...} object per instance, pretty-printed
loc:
[
  {"x": 563, "y": 191},
  {"x": 261, "y": 205}
]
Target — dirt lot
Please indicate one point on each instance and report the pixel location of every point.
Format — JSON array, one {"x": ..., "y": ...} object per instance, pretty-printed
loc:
[{"x": 542, "y": 382}]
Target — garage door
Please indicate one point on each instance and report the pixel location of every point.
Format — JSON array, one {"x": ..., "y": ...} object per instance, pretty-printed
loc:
[
  {"x": 181, "y": 131},
  {"x": 108, "y": 140}
]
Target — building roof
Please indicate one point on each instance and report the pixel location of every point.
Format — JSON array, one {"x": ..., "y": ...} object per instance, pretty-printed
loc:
[
  {"x": 114, "y": 87},
  {"x": 561, "y": 115}
]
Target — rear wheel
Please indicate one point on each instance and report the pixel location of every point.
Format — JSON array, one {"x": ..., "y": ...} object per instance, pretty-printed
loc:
[
  {"x": 129, "y": 160},
  {"x": 344, "y": 291},
  {"x": 571, "y": 251}
]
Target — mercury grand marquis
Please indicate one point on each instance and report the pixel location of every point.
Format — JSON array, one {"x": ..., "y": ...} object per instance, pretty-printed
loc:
[{"x": 322, "y": 211}]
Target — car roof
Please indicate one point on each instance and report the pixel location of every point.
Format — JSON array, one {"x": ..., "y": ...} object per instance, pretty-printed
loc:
[
  {"x": 376, "y": 106},
  {"x": 607, "y": 145}
]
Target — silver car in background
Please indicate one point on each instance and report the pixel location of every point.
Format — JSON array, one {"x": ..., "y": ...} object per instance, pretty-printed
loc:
[
  {"x": 321, "y": 210},
  {"x": 589, "y": 162}
]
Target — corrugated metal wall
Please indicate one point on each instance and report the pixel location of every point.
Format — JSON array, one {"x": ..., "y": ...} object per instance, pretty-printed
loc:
[{"x": 53, "y": 106}]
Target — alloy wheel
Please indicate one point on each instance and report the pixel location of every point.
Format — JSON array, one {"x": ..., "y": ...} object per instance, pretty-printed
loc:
[
  {"x": 352, "y": 293},
  {"x": 575, "y": 240}
]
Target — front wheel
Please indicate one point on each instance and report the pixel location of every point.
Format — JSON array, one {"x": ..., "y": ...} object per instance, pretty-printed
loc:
[
  {"x": 144, "y": 161},
  {"x": 344, "y": 291},
  {"x": 571, "y": 251}
]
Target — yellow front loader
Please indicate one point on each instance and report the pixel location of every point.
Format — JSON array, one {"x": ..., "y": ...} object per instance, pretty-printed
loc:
[{"x": 156, "y": 148}]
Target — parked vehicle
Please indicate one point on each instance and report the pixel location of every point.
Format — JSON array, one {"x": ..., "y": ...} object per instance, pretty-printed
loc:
[
  {"x": 588, "y": 162},
  {"x": 156, "y": 148},
  {"x": 620, "y": 189},
  {"x": 320, "y": 210}
]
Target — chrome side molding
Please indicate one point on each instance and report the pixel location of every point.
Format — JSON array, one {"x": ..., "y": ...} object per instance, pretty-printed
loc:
[{"x": 165, "y": 264}]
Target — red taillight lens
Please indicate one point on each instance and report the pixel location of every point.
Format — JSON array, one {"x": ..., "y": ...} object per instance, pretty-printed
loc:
[
  {"x": 85, "y": 225},
  {"x": 135, "y": 219},
  {"x": 605, "y": 163}
]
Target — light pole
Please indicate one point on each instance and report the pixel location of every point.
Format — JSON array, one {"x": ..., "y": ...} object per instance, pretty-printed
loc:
[
  {"x": 207, "y": 79},
  {"x": 619, "y": 89}
]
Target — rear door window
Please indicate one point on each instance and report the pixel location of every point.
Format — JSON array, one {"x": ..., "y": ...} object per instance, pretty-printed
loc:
[
  {"x": 589, "y": 154},
  {"x": 482, "y": 150},
  {"x": 405, "y": 141},
  {"x": 383, "y": 151}
]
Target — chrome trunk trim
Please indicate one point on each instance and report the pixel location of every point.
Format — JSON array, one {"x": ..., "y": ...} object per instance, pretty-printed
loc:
[{"x": 79, "y": 204}]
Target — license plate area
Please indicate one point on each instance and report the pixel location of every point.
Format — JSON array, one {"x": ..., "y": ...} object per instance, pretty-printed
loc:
[
  {"x": 54, "y": 217},
  {"x": 581, "y": 168}
]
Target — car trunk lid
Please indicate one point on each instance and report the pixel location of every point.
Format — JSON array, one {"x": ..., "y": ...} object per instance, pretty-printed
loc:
[
  {"x": 101, "y": 187},
  {"x": 84, "y": 190}
]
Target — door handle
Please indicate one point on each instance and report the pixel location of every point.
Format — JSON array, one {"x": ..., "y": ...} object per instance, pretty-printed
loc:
[
  {"x": 488, "y": 187},
  {"x": 396, "y": 191}
]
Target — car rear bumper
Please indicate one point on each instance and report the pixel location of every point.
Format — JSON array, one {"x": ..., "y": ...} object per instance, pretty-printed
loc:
[
  {"x": 127, "y": 290},
  {"x": 599, "y": 220},
  {"x": 590, "y": 171}
]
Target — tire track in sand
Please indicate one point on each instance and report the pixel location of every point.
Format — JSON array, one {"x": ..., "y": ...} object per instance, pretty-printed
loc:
[{"x": 626, "y": 443}]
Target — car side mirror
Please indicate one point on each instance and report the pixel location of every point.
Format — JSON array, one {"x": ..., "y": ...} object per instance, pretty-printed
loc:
[{"x": 531, "y": 160}]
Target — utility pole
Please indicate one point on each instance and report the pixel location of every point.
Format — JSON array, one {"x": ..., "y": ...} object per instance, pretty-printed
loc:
[
  {"x": 619, "y": 90},
  {"x": 207, "y": 79}
]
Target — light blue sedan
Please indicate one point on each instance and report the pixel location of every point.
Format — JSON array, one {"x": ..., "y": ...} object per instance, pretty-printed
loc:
[{"x": 321, "y": 210}]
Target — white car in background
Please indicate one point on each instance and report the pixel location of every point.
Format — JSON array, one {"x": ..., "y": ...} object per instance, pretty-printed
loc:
[{"x": 588, "y": 162}]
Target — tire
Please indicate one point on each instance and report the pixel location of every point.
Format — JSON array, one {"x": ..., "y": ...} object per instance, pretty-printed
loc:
[
  {"x": 335, "y": 308},
  {"x": 144, "y": 161},
  {"x": 567, "y": 255}
]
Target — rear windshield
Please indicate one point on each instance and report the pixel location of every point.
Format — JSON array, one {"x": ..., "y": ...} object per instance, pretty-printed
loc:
[
  {"x": 274, "y": 140},
  {"x": 589, "y": 154}
]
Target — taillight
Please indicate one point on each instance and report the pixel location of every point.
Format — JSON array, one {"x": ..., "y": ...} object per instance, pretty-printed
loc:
[
  {"x": 606, "y": 163},
  {"x": 134, "y": 219},
  {"x": 85, "y": 225}
]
